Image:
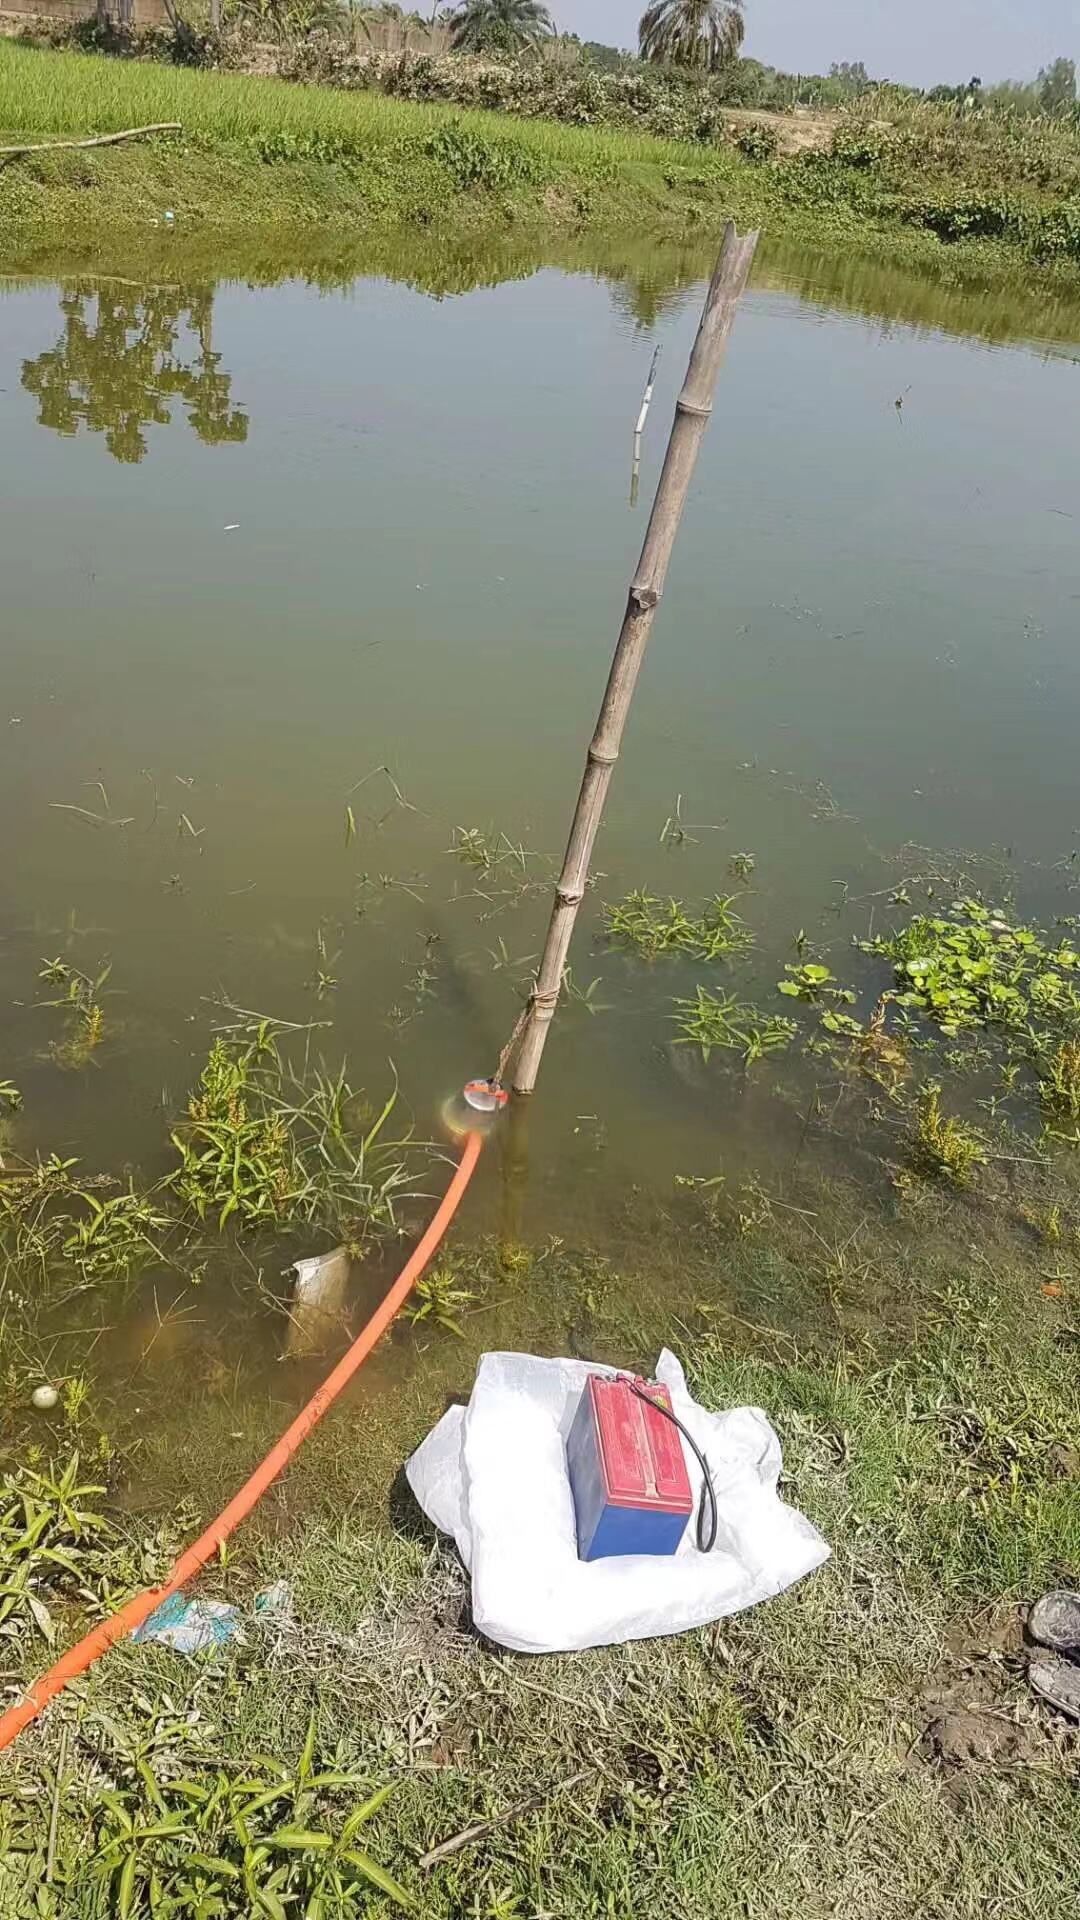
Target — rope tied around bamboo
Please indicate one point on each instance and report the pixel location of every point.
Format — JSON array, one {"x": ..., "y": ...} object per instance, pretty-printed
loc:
[
  {"x": 545, "y": 1003},
  {"x": 692, "y": 410}
]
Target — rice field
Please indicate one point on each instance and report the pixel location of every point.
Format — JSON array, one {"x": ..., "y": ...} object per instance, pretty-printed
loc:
[{"x": 47, "y": 94}]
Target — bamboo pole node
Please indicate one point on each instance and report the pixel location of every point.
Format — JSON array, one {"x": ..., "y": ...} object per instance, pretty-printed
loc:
[{"x": 690, "y": 406}]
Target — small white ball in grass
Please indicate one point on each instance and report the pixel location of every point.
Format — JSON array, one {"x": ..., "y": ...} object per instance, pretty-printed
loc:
[{"x": 44, "y": 1398}]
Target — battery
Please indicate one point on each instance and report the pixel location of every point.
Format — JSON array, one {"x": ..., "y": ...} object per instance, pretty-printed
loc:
[{"x": 627, "y": 1473}]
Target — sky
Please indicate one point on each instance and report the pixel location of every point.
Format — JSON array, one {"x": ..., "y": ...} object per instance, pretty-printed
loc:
[{"x": 921, "y": 41}]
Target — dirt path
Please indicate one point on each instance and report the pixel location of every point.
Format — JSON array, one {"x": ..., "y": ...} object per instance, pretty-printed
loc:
[{"x": 801, "y": 131}]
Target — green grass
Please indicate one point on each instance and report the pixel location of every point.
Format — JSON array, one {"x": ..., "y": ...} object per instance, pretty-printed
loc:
[
  {"x": 263, "y": 158},
  {"x": 781, "y": 1764},
  {"x": 57, "y": 95}
]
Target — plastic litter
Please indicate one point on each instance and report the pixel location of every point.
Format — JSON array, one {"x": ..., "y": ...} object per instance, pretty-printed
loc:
[
  {"x": 494, "y": 1475},
  {"x": 190, "y": 1626},
  {"x": 199, "y": 1626},
  {"x": 275, "y": 1599},
  {"x": 318, "y": 1302}
]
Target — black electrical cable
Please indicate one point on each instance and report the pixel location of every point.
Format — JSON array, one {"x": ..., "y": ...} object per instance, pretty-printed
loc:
[{"x": 708, "y": 1491}]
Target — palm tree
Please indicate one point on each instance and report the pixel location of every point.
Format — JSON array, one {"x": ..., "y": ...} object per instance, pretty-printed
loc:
[
  {"x": 499, "y": 26},
  {"x": 388, "y": 23},
  {"x": 692, "y": 33}
]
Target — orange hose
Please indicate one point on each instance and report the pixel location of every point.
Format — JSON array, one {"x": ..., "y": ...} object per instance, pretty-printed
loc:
[{"x": 132, "y": 1615}]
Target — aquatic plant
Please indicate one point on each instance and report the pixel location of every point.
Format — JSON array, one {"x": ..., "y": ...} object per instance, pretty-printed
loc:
[
  {"x": 265, "y": 1143},
  {"x": 506, "y": 871},
  {"x": 485, "y": 848},
  {"x": 115, "y": 1235},
  {"x": 586, "y": 996},
  {"x": 977, "y": 968},
  {"x": 712, "y": 1021},
  {"x": 675, "y": 831},
  {"x": 58, "y": 1225},
  {"x": 438, "y": 1296},
  {"x": 812, "y": 982},
  {"x": 944, "y": 1147},
  {"x": 1059, "y": 1080},
  {"x": 33, "y": 1220},
  {"x": 234, "y": 1160},
  {"x": 979, "y": 972},
  {"x": 651, "y": 926},
  {"x": 874, "y": 1050},
  {"x": 82, "y": 1006}
]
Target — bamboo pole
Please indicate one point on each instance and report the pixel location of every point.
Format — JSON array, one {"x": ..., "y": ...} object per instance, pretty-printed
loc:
[
  {"x": 692, "y": 411},
  {"x": 99, "y": 139},
  {"x": 515, "y": 1175}
]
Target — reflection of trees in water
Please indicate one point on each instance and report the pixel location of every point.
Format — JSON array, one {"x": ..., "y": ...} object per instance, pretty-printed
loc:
[
  {"x": 121, "y": 360},
  {"x": 652, "y": 290}
]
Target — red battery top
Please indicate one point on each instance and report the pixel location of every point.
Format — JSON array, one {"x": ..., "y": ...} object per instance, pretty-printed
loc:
[{"x": 641, "y": 1451}]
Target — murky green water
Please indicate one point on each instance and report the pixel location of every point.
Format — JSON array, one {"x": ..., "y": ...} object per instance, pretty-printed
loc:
[{"x": 259, "y": 541}]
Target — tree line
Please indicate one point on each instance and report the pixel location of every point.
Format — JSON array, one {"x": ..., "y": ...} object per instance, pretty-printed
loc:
[
  {"x": 707, "y": 36},
  {"x": 686, "y": 36}
]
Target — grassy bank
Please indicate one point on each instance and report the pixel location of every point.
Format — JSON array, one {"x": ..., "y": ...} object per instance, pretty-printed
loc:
[
  {"x": 263, "y": 159},
  {"x": 259, "y": 154},
  {"x": 867, "y": 1743}
]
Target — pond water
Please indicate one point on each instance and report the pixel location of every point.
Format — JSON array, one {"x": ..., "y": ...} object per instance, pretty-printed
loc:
[{"x": 261, "y": 541}]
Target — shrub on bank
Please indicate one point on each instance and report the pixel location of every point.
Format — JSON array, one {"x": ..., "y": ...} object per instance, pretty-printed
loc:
[
  {"x": 986, "y": 175},
  {"x": 632, "y": 98}
]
